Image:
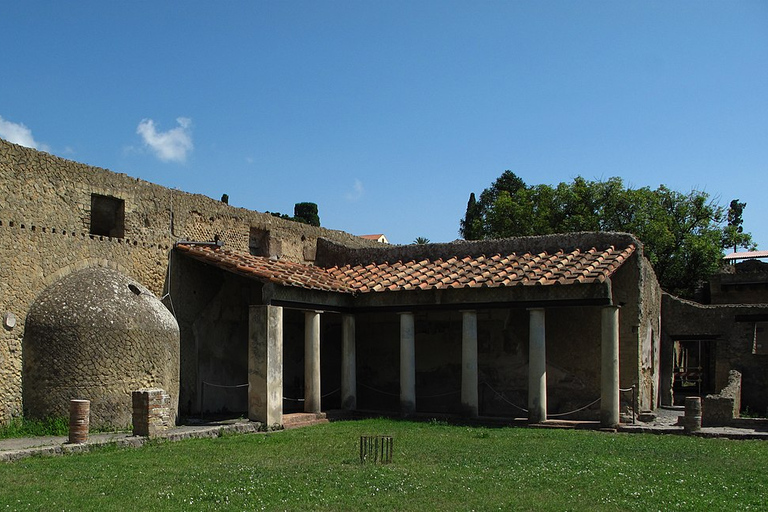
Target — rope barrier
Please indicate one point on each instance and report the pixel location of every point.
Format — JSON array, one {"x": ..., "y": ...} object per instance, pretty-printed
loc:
[
  {"x": 378, "y": 390},
  {"x": 558, "y": 415},
  {"x": 323, "y": 396},
  {"x": 223, "y": 386},
  {"x": 500, "y": 395}
]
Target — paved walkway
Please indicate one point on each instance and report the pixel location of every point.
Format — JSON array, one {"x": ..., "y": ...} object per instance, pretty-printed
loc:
[
  {"x": 15, "y": 449},
  {"x": 666, "y": 422}
]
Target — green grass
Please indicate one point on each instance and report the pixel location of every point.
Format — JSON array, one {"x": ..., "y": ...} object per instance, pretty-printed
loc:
[
  {"x": 436, "y": 467},
  {"x": 20, "y": 427}
]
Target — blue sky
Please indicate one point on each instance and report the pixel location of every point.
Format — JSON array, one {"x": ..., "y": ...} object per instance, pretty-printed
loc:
[{"x": 388, "y": 114}]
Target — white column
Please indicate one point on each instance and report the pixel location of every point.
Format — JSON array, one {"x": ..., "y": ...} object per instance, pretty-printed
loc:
[
  {"x": 469, "y": 397},
  {"x": 312, "y": 361},
  {"x": 265, "y": 365},
  {"x": 407, "y": 364},
  {"x": 609, "y": 383},
  {"x": 537, "y": 367},
  {"x": 348, "y": 364}
]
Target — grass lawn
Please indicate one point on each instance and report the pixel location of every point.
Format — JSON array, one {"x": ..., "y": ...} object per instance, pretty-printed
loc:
[{"x": 435, "y": 467}]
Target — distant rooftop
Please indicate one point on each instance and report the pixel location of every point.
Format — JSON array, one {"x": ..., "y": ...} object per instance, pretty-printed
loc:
[
  {"x": 746, "y": 255},
  {"x": 379, "y": 237}
]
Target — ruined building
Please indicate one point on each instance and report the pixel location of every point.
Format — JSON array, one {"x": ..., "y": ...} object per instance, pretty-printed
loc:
[{"x": 235, "y": 311}]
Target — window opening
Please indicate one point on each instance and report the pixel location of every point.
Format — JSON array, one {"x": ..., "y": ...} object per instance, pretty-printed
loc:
[{"x": 107, "y": 216}]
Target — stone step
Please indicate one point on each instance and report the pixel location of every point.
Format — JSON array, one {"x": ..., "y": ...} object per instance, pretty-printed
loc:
[{"x": 303, "y": 419}]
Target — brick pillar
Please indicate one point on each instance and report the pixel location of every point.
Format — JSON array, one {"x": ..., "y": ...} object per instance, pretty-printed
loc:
[{"x": 151, "y": 412}]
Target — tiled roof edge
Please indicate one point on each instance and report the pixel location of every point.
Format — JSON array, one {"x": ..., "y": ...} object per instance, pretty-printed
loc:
[{"x": 331, "y": 254}]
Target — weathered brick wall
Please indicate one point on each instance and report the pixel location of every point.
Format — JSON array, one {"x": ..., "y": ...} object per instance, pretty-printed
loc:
[
  {"x": 45, "y": 225},
  {"x": 151, "y": 412}
]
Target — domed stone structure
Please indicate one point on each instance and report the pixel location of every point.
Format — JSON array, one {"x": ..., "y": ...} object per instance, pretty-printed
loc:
[{"x": 98, "y": 335}]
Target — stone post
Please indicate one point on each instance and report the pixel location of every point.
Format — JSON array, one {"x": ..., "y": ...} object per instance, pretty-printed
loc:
[
  {"x": 265, "y": 365},
  {"x": 348, "y": 364},
  {"x": 151, "y": 412},
  {"x": 609, "y": 382},
  {"x": 469, "y": 396},
  {"x": 537, "y": 367},
  {"x": 407, "y": 364},
  {"x": 312, "y": 396}
]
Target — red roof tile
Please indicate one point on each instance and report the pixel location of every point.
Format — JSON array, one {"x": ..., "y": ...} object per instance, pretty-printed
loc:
[
  {"x": 560, "y": 268},
  {"x": 483, "y": 271},
  {"x": 265, "y": 269}
]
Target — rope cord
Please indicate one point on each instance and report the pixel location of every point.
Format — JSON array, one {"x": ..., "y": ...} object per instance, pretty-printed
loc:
[
  {"x": 417, "y": 396},
  {"x": 302, "y": 399},
  {"x": 223, "y": 386},
  {"x": 558, "y": 415},
  {"x": 378, "y": 390},
  {"x": 500, "y": 395},
  {"x": 627, "y": 389}
]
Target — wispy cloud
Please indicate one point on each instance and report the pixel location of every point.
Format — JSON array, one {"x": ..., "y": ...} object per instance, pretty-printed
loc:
[
  {"x": 170, "y": 146},
  {"x": 357, "y": 191},
  {"x": 19, "y": 134}
]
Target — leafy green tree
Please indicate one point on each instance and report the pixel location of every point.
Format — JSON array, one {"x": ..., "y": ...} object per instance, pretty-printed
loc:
[
  {"x": 420, "y": 240},
  {"x": 306, "y": 213},
  {"x": 683, "y": 233}
]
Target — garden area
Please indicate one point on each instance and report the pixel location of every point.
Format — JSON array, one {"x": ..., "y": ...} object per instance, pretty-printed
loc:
[{"x": 435, "y": 466}]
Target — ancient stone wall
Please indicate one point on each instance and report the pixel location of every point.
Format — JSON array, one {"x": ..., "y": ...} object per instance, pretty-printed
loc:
[
  {"x": 638, "y": 294},
  {"x": 56, "y": 216},
  {"x": 730, "y": 331}
]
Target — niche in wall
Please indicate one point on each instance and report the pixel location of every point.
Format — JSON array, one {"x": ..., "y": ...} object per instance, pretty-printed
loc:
[{"x": 107, "y": 216}]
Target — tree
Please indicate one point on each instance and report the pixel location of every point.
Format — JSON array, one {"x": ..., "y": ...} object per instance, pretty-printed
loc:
[
  {"x": 683, "y": 233},
  {"x": 471, "y": 224},
  {"x": 734, "y": 235},
  {"x": 306, "y": 213},
  {"x": 420, "y": 240}
]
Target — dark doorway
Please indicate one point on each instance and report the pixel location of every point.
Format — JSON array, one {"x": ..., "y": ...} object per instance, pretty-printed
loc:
[{"x": 694, "y": 370}]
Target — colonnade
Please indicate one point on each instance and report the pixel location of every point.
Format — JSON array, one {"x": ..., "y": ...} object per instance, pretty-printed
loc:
[{"x": 265, "y": 364}]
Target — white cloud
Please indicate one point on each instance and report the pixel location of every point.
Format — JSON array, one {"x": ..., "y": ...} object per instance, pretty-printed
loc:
[
  {"x": 170, "y": 146},
  {"x": 18, "y": 134},
  {"x": 357, "y": 191}
]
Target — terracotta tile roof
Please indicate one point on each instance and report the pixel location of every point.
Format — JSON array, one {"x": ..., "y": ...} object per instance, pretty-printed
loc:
[
  {"x": 265, "y": 269},
  {"x": 485, "y": 271},
  {"x": 493, "y": 271}
]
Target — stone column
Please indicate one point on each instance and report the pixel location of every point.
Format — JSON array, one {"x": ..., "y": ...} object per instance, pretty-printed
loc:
[
  {"x": 537, "y": 367},
  {"x": 609, "y": 382},
  {"x": 348, "y": 364},
  {"x": 469, "y": 397},
  {"x": 265, "y": 365},
  {"x": 312, "y": 396},
  {"x": 407, "y": 364}
]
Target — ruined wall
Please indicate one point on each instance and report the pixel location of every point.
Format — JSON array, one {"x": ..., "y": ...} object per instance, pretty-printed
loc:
[
  {"x": 638, "y": 294},
  {"x": 48, "y": 213},
  {"x": 731, "y": 329},
  {"x": 746, "y": 283}
]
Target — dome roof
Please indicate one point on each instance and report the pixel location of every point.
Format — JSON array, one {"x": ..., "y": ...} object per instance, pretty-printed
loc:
[
  {"x": 101, "y": 298},
  {"x": 98, "y": 335}
]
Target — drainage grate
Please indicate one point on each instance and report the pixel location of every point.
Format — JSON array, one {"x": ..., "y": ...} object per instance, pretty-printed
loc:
[{"x": 376, "y": 449}]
